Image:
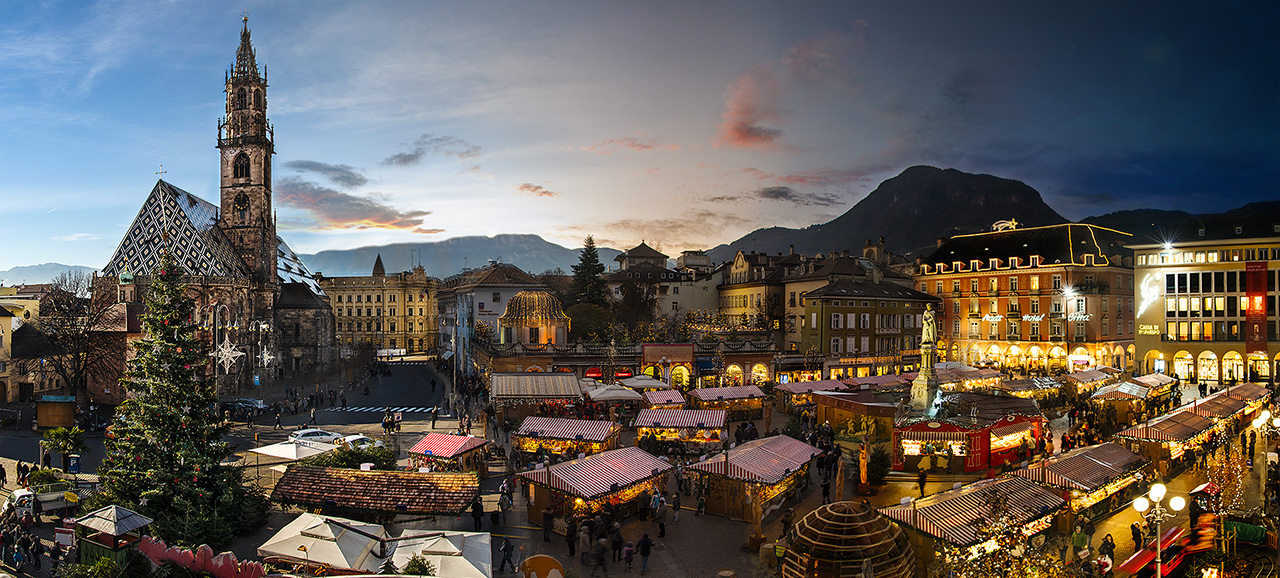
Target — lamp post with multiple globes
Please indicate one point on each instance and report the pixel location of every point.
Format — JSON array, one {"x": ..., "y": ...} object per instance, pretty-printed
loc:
[
  {"x": 1154, "y": 511},
  {"x": 1269, "y": 427}
]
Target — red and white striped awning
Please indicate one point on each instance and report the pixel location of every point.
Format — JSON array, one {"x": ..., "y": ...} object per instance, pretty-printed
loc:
[
  {"x": 950, "y": 515},
  {"x": 439, "y": 445},
  {"x": 1178, "y": 426},
  {"x": 567, "y": 429},
  {"x": 664, "y": 397},
  {"x": 766, "y": 460},
  {"x": 1008, "y": 430},
  {"x": 601, "y": 473},
  {"x": 1087, "y": 468},
  {"x": 799, "y": 387},
  {"x": 723, "y": 393},
  {"x": 680, "y": 418},
  {"x": 935, "y": 436}
]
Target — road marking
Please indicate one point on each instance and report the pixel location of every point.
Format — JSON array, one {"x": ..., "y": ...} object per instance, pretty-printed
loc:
[{"x": 367, "y": 409}]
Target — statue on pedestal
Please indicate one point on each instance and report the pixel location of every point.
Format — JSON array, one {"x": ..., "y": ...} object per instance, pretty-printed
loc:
[{"x": 925, "y": 387}]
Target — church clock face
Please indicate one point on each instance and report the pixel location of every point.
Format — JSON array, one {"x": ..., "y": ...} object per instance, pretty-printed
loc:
[{"x": 241, "y": 203}]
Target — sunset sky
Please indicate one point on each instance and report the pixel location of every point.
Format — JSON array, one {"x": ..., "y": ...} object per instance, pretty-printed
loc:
[{"x": 683, "y": 123}]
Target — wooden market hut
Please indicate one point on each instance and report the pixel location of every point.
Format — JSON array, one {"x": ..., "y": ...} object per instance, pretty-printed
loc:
[
  {"x": 886, "y": 382},
  {"x": 847, "y": 539},
  {"x": 1087, "y": 381},
  {"x": 1165, "y": 439},
  {"x": 1255, "y": 396},
  {"x": 1088, "y": 477},
  {"x": 1219, "y": 407},
  {"x": 1038, "y": 388},
  {"x": 948, "y": 516},
  {"x": 663, "y": 399},
  {"x": 376, "y": 495},
  {"x": 800, "y": 393},
  {"x": 739, "y": 402},
  {"x": 583, "y": 486},
  {"x": 759, "y": 472},
  {"x": 1161, "y": 385},
  {"x": 976, "y": 430},
  {"x": 866, "y": 410},
  {"x": 1126, "y": 401},
  {"x": 109, "y": 533},
  {"x": 450, "y": 453},
  {"x": 517, "y": 395},
  {"x": 688, "y": 425},
  {"x": 558, "y": 435}
]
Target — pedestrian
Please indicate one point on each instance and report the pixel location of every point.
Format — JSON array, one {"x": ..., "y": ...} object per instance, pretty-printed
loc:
[
  {"x": 313, "y": 416},
  {"x": 55, "y": 556},
  {"x": 477, "y": 513},
  {"x": 645, "y": 547},
  {"x": 547, "y": 516},
  {"x": 571, "y": 535},
  {"x": 344, "y": 402},
  {"x": 702, "y": 505},
  {"x": 47, "y": 460},
  {"x": 506, "y": 548},
  {"x": 629, "y": 554},
  {"x": 1108, "y": 546},
  {"x": 4, "y": 476},
  {"x": 37, "y": 552},
  {"x": 1136, "y": 531},
  {"x": 615, "y": 542},
  {"x": 780, "y": 551},
  {"x": 278, "y": 426},
  {"x": 788, "y": 518},
  {"x": 660, "y": 516},
  {"x": 584, "y": 543},
  {"x": 921, "y": 479},
  {"x": 675, "y": 506},
  {"x": 1079, "y": 542},
  {"x": 504, "y": 504},
  {"x": 1089, "y": 529},
  {"x": 826, "y": 491},
  {"x": 643, "y": 504},
  {"x": 654, "y": 501},
  {"x": 598, "y": 559}
]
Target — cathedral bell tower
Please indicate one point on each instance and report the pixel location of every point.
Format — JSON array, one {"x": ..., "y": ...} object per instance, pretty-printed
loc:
[{"x": 245, "y": 143}]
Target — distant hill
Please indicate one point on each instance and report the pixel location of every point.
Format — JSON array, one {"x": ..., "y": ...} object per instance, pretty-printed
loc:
[
  {"x": 1158, "y": 225},
  {"x": 911, "y": 211},
  {"x": 445, "y": 258},
  {"x": 43, "y": 273}
]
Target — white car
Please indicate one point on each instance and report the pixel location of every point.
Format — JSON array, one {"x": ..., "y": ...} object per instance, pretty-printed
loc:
[
  {"x": 360, "y": 442},
  {"x": 315, "y": 435}
]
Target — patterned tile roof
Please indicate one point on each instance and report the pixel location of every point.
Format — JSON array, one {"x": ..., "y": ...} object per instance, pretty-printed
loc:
[
  {"x": 731, "y": 392},
  {"x": 680, "y": 418},
  {"x": 664, "y": 397},
  {"x": 379, "y": 491},
  {"x": 1087, "y": 468},
  {"x": 950, "y": 515}
]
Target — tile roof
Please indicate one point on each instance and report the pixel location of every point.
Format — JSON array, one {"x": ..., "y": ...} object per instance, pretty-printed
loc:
[
  {"x": 732, "y": 392},
  {"x": 850, "y": 288},
  {"x": 567, "y": 429},
  {"x": 766, "y": 460},
  {"x": 811, "y": 386},
  {"x": 445, "y": 445},
  {"x": 1087, "y": 468},
  {"x": 680, "y": 418},
  {"x": 950, "y": 515},
  {"x": 600, "y": 473},
  {"x": 642, "y": 250},
  {"x": 379, "y": 491}
]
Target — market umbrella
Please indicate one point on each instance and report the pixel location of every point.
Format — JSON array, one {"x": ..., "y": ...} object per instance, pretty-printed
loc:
[
  {"x": 643, "y": 382},
  {"x": 614, "y": 393},
  {"x": 296, "y": 450},
  {"x": 318, "y": 540}
]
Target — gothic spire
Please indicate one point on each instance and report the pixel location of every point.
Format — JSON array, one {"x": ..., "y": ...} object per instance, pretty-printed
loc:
[
  {"x": 378, "y": 269},
  {"x": 246, "y": 64}
]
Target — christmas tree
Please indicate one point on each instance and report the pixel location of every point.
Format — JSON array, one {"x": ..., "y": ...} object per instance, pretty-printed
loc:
[
  {"x": 163, "y": 457},
  {"x": 588, "y": 287}
]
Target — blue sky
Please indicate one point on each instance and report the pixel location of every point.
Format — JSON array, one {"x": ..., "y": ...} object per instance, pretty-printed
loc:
[{"x": 686, "y": 124}]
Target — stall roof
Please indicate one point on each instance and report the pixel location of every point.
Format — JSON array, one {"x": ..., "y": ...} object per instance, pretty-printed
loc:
[
  {"x": 680, "y": 418},
  {"x": 1177, "y": 426},
  {"x": 380, "y": 491},
  {"x": 722, "y": 393},
  {"x": 1033, "y": 384},
  {"x": 600, "y": 473},
  {"x": 644, "y": 382},
  {"x": 113, "y": 520},
  {"x": 766, "y": 460},
  {"x": 1154, "y": 379},
  {"x": 567, "y": 429},
  {"x": 1087, "y": 468},
  {"x": 295, "y": 450},
  {"x": 1086, "y": 376},
  {"x": 1122, "y": 390},
  {"x": 812, "y": 386},
  {"x": 950, "y": 515},
  {"x": 1217, "y": 405},
  {"x": 664, "y": 397},
  {"x": 976, "y": 410},
  {"x": 440, "y": 445},
  {"x": 534, "y": 386},
  {"x": 1247, "y": 392},
  {"x": 880, "y": 382},
  {"x": 613, "y": 392}
]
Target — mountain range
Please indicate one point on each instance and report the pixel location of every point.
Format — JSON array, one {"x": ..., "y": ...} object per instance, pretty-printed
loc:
[
  {"x": 42, "y": 273},
  {"x": 910, "y": 211}
]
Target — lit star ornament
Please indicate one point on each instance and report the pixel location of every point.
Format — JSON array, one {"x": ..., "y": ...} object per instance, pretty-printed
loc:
[
  {"x": 266, "y": 358},
  {"x": 226, "y": 354},
  {"x": 143, "y": 501}
]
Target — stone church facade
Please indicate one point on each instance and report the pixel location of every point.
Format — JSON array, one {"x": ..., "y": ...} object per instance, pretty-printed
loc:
[{"x": 249, "y": 286}]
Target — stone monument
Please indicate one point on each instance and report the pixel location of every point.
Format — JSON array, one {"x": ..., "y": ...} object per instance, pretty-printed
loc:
[{"x": 925, "y": 387}]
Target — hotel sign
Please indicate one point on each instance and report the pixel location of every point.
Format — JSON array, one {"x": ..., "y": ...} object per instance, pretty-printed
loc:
[
  {"x": 992, "y": 317},
  {"x": 1034, "y": 318},
  {"x": 1080, "y": 317}
]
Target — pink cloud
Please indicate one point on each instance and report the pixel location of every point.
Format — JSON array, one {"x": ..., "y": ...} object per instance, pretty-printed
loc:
[
  {"x": 535, "y": 190},
  {"x": 639, "y": 143},
  {"x": 752, "y": 102}
]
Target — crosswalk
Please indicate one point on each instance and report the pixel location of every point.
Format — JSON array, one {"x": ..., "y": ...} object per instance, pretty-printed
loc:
[{"x": 382, "y": 408}]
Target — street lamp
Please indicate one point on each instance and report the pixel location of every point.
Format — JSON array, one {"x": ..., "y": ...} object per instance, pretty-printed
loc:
[
  {"x": 1153, "y": 510},
  {"x": 1269, "y": 427}
]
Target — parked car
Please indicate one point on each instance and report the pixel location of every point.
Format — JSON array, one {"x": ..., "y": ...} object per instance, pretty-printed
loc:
[
  {"x": 360, "y": 441},
  {"x": 256, "y": 404},
  {"x": 315, "y": 435}
]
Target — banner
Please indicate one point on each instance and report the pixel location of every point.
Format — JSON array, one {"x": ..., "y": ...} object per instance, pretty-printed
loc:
[
  {"x": 1255, "y": 307},
  {"x": 674, "y": 352}
]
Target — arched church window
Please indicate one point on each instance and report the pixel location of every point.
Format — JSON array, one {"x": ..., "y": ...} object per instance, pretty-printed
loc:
[
  {"x": 240, "y": 167},
  {"x": 257, "y": 99},
  {"x": 242, "y": 98}
]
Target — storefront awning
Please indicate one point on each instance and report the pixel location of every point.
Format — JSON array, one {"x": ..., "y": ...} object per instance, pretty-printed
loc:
[
  {"x": 935, "y": 436},
  {"x": 949, "y": 515},
  {"x": 1008, "y": 430}
]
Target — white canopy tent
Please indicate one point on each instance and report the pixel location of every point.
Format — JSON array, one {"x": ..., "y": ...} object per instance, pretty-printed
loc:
[
  {"x": 295, "y": 450},
  {"x": 613, "y": 393},
  {"x": 644, "y": 382},
  {"x": 351, "y": 545}
]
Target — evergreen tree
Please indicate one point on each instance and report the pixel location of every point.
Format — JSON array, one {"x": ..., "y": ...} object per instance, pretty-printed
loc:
[
  {"x": 163, "y": 457},
  {"x": 588, "y": 287}
]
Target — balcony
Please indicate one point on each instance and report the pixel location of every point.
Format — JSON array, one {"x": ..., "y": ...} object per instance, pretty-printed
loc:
[
  {"x": 993, "y": 293},
  {"x": 1033, "y": 292},
  {"x": 1013, "y": 314},
  {"x": 1093, "y": 288},
  {"x": 957, "y": 294},
  {"x": 975, "y": 315},
  {"x": 1013, "y": 337},
  {"x": 975, "y": 336}
]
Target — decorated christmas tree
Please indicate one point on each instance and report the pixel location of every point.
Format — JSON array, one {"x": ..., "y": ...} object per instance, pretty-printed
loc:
[{"x": 166, "y": 445}]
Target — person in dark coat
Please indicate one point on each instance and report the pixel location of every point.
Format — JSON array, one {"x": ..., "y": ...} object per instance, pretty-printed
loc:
[
  {"x": 477, "y": 514},
  {"x": 645, "y": 547},
  {"x": 571, "y": 536}
]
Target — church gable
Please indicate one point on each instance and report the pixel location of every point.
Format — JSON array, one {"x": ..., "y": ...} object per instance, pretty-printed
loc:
[{"x": 189, "y": 222}]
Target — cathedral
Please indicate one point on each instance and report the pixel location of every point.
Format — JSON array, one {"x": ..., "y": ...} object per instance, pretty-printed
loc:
[{"x": 254, "y": 297}]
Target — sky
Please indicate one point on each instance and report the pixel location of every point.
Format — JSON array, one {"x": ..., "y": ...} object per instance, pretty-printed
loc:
[{"x": 685, "y": 124}]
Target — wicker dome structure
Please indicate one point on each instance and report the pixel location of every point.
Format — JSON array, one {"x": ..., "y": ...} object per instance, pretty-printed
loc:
[
  {"x": 837, "y": 540},
  {"x": 531, "y": 309}
]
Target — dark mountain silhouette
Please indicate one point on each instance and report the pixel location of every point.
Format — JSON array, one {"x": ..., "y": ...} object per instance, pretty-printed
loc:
[
  {"x": 1156, "y": 225},
  {"x": 911, "y": 211},
  {"x": 445, "y": 258}
]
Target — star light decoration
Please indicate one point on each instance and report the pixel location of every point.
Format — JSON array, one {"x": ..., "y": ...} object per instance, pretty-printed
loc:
[
  {"x": 265, "y": 358},
  {"x": 226, "y": 354}
]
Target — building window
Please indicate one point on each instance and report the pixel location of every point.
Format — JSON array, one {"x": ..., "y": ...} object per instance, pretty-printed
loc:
[
  {"x": 1035, "y": 306},
  {"x": 378, "y": 298},
  {"x": 974, "y": 329},
  {"x": 392, "y": 312},
  {"x": 955, "y": 286},
  {"x": 1013, "y": 283},
  {"x": 1079, "y": 330},
  {"x": 497, "y": 297},
  {"x": 392, "y": 299},
  {"x": 1035, "y": 329},
  {"x": 1035, "y": 282},
  {"x": 1057, "y": 281},
  {"x": 937, "y": 287},
  {"x": 240, "y": 167},
  {"x": 993, "y": 284},
  {"x": 973, "y": 285},
  {"x": 955, "y": 328},
  {"x": 393, "y": 327},
  {"x": 836, "y": 320},
  {"x": 955, "y": 307},
  {"x": 835, "y": 345}
]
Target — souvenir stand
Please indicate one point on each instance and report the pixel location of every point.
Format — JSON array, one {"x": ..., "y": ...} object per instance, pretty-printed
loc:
[
  {"x": 946, "y": 518},
  {"x": 583, "y": 486},
  {"x": 1087, "y": 381},
  {"x": 1255, "y": 397},
  {"x": 518, "y": 395},
  {"x": 685, "y": 425},
  {"x": 1089, "y": 476},
  {"x": 794, "y": 395},
  {"x": 1126, "y": 401},
  {"x": 980, "y": 430},
  {"x": 108, "y": 533},
  {"x": 555, "y": 435},
  {"x": 1037, "y": 388},
  {"x": 1161, "y": 385},
  {"x": 1165, "y": 440},
  {"x": 663, "y": 399},
  {"x": 760, "y": 472},
  {"x": 739, "y": 402},
  {"x": 450, "y": 453}
]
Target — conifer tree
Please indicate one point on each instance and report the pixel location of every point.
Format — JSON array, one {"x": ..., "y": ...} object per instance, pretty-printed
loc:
[
  {"x": 588, "y": 287},
  {"x": 164, "y": 454}
]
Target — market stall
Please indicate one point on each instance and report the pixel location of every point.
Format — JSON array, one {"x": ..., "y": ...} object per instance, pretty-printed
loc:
[
  {"x": 946, "y": 518},
  {"x": 450, "y": 453},
  {"x": 955, "y": 376},
  {"x": 1161, "y": 385},
  {"x": 739, "y": 402},
  {"x": 518, "y": 395},
  {"x": 551, "y": 435},
  {"x": 1254, "y": 395},
  {"x": 584, "y": 486},
  {"x": 1121, "y": 403},
  {"x": 1087, "y": 381},
  {"x": 109, "y": 533},
  {"x": 376, "y": 495},
  {"x": 1037, "y": 388},
  {"x": 859, "y": 411},
  {"x": 644, "y": 383},
  {"x": 760, "y": 473},
  {"x": 976, "y": 431},
  {"x": 1165, "y": 440},
  {"x": 1095, "y": 480},
  {"x": 683, "y": 425},
  {"x": 887, "y": 382},
  {"x": 794, "y": 395},
  {"x": 663, "y": 399}
]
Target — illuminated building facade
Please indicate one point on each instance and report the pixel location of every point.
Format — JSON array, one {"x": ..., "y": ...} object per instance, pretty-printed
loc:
[
  {"x": 1041, "y": 299},
  {"x": 1207, "y": 300},
  {"x": 388, "y": 312}
]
